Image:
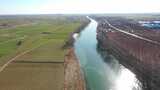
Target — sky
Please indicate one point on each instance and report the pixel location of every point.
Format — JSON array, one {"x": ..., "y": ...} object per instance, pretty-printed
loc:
[{"x": 78, "y": 6}]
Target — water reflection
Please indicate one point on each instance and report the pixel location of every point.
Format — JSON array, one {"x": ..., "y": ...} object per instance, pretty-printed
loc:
[{"x": 124, "y": 78}]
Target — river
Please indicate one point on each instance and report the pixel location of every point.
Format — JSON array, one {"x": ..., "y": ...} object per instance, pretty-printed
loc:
[{"x": 101, "y": 71}]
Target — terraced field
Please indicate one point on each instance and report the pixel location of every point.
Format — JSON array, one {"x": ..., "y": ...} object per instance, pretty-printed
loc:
[{"x": 31, "y": 56}]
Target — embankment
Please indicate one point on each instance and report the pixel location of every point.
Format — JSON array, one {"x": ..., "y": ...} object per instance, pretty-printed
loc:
[
  {"x": 142, "y": 57},
  {"x": 74, "y": 79}
]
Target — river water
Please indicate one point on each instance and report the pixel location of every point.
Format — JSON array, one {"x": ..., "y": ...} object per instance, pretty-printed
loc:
[{"x": 101, "y": 70}]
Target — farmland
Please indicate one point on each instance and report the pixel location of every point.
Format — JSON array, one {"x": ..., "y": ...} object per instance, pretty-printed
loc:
[{"x": 31, "y": 53}]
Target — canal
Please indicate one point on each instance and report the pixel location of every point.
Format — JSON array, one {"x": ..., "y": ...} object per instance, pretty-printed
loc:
[{"x": 101, "y": 71}]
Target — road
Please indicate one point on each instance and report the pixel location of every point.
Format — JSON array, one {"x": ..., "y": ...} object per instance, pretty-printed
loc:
[{"x": 134, "y": 35}]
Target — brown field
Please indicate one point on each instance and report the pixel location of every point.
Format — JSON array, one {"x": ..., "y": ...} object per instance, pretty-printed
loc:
[{"x": 32, "y": 76}]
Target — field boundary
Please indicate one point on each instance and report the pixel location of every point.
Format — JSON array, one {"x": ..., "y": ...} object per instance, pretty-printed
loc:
[
  {"x": 19, "y": 55},
  {"x": 36, "y": 62}
]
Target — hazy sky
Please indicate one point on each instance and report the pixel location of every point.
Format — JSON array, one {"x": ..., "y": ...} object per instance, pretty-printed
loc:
[{"x": 78, "y": 6}]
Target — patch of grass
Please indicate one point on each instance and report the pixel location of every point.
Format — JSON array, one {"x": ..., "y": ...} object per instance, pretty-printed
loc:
[
  {"x": 7, "y": 47},
  {"x": 51, "y": 51}
]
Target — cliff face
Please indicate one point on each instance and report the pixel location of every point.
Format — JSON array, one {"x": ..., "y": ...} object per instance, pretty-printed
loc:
[{"x": 142, "y": 57}]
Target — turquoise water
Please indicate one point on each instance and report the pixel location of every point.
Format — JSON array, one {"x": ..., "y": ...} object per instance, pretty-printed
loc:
[
  {"x": 101, "y": 70},
  {"x": 152, "y": 25}
]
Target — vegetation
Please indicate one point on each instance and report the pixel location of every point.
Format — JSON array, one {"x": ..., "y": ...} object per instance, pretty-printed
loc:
[{"x": 51, "y": 30}]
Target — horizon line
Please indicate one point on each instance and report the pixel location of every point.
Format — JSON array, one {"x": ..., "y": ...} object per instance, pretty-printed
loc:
[{"x": 79, "y": 13}]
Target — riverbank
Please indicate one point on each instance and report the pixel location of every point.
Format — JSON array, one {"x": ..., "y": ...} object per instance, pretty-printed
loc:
[
  {"x": 140, "y": 56},
  {"x": 74, "y": 79}
]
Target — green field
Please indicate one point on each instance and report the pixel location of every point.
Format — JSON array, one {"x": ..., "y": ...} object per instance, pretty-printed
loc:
[
  {"x": 43, "y": 37},
  {"x": 52, "y": 31}
]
